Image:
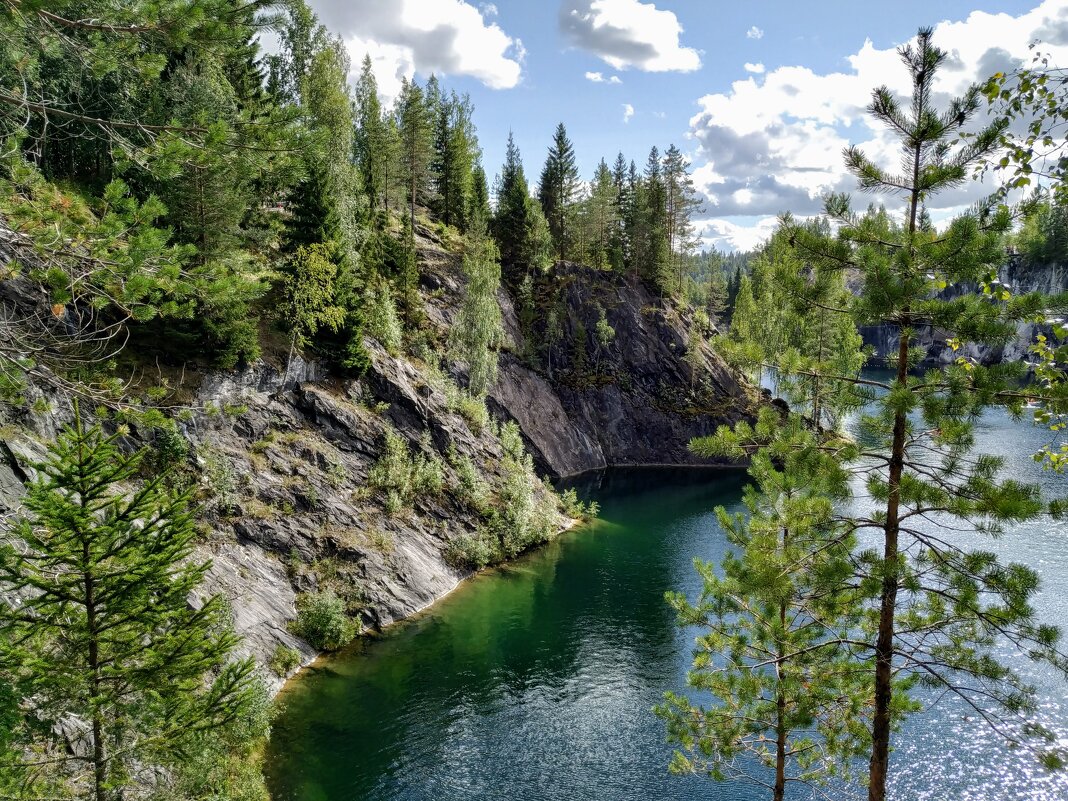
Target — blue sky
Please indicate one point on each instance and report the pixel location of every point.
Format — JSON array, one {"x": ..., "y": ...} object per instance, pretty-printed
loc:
[{"x": 761, "y": 96}]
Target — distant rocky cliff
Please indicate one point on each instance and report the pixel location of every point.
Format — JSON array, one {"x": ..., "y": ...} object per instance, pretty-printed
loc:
[
  {"x": 284, "y": 466},
  {"x": 883, "y": 338}
]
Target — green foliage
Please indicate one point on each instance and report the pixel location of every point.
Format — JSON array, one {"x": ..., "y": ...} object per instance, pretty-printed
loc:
[
  {"x": 931, "y": 610},
  {"x": 773, "y": 654},
  {"x": 323, "y": 621},
  {"x": 519, "y": 225},
  {"x": 416, "y": 114},
  {"x": 478, "y": 331},
  {"x": 225, "y": 765},
  {"x": 309, "y": 292},
  {"x": 1043, "y": 236},
  {"x": 575, "y": 508},
  {"x": 1037, "y": 96},
  {"x": 456, "y": 155},
  {"x": 284, "y": 660},
  {"x": 473, "y": 551},
  {"x": 557, "y": 191},
  {"x": 104, "y": 631},
  {"x": 380, "y": 318},
  {"x": 401, "y": 477}
]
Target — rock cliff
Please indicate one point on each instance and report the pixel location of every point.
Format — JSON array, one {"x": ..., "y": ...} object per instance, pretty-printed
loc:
[{"x": 284, "y": 463}]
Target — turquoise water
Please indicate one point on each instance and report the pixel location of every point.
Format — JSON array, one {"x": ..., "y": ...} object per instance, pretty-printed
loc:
[{"x": 535, "y": 681}]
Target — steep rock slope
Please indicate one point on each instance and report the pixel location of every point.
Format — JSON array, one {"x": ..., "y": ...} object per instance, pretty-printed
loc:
[
  {"x": 284, "y": 465},
  {"x": 639, "y": 399}
]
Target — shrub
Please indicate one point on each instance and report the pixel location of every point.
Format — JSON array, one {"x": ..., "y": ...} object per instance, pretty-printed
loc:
[
  {"x": 472, "y": 489},
  {"x": 284, "y": 660},
  {"x": 574, "y": 508},
  {"x": 471, "y": 550},
  {"x": 512, "y": 440},
  {"x": 401, "y": 477},
  {"x": 393, "y": 468},
  {"x": 428, "y": 475},
  {"x": 322, "y": 621},
  {"x": 472, "y": 409}
]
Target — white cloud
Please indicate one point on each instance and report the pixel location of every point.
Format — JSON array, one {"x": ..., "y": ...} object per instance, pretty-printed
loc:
[
  {"x": 597, "y": 77},
  {"x": 628, "y": 112},
  {"x": 727, "y": 235},
  {"x": 628, "y": 33},
  {"x": 404, "y": 37},
  {"x": 756, "y": 69},
  {"x": 488, "y": 10},
  {"x": 754, "y": 33},
  {"x": 776, "y": 145}
]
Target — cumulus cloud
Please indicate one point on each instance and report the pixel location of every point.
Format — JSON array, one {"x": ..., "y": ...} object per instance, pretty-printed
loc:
[
  {"x": 776, "y": 145},
  {"x": 754, "y": 33},
  {"x": 628, "y": 34},
  {"x": 597, "y": 77},
  {"x": 756, "y": 69},
  {"x": 727, "y": 235},
  {"x": 628, "y": 112},
  {"x": 403, "y": 37}
]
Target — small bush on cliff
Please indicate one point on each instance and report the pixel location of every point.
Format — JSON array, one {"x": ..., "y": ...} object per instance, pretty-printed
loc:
[
  {"x": 401, "y": 476},
  {"x": 284, "y": 660},
  {"x": 322, "y": 621},
  {"x": 472, "y": 551}
]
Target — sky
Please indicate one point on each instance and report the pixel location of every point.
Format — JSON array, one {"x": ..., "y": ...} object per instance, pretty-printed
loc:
[{"x": 762, "y": 96}]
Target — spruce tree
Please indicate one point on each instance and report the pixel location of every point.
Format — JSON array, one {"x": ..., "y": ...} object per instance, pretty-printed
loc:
[
  {"x": 654, "y": 264},
  {"x": 557, "y": 189},
  {"x": 510, "y": 222},
  {"x": 602, "y": 220},
  {"x": 455, "y": 152},
  {"x": 619, "y": 246},
  {"x": 104, "y": 631}
]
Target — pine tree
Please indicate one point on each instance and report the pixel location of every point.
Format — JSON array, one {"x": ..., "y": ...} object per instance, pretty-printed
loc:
[
  {"x": 938, "y": 607},
  {"x": 680, "y": 204},
  {"x": 773, "y": 651},
  {"x": 557, "y": 189},
  {"x": 415, "y": 125},
  {"x": 104, "y": 630}
]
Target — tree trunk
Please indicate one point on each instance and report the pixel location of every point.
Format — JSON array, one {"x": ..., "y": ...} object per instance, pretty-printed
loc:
[
  {"x": 884, "y": 644},
  {"x": 99, "y": 751}
]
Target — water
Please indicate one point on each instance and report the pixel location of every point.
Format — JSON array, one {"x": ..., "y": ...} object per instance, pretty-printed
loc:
[{"x": 536, "y": 681}]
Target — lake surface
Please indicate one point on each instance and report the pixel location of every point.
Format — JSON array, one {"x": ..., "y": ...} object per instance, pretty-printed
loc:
[{"x": 535, "y": 682}]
